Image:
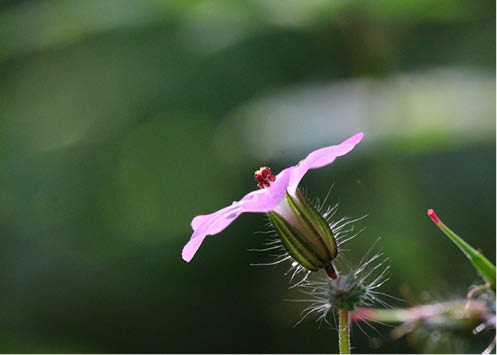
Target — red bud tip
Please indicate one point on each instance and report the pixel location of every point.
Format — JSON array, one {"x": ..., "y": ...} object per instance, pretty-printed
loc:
[
  {"x": 330, "y": 270},
  {"x": 433, "y": 216}
]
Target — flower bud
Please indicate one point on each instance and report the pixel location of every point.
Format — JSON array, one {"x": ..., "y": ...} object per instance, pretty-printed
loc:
[
  {"x": 305, "y": 234},
  {"x": 347, "y": 292}
]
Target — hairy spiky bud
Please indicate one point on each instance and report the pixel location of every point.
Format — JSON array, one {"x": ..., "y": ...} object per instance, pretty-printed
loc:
[
  {"x": 351, "y": 291},
  {"x": 346, "y": 292}
]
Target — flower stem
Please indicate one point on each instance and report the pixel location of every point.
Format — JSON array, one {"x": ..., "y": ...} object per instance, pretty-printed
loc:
[{"x": 344, "y": 331}]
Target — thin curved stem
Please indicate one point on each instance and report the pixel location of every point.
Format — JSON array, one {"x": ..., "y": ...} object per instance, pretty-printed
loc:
[{"x": 344, "y": 331}]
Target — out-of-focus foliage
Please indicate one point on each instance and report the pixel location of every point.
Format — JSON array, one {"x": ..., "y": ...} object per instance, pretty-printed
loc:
[{"x": 120, "y": 120}]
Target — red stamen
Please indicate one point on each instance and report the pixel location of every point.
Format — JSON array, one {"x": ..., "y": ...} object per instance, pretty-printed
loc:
[
  {"x": 434, "y": 216},
  {"x": 263, "y": 177}
]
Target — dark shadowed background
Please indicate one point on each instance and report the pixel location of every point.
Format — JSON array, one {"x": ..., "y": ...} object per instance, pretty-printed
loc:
[{"x": 121, "y": 120}]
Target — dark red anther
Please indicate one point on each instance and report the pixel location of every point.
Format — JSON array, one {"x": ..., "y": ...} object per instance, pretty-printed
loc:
[
  {"x": 330, "y": 270},
  {"x": 263, "y": 177}
]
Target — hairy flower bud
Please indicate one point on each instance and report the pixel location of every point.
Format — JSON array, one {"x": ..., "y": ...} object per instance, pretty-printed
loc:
[
  {"x": 350, "y": 291},
  {"x": 347, "y": 292},
  {"x": 304, "y": 233}
]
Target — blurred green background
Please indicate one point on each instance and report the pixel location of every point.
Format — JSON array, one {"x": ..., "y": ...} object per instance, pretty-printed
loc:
[{"x": 121, "y": 120}]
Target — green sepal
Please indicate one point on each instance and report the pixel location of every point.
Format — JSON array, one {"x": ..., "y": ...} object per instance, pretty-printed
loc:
[
  {"x": 314, "y": 224},
  {"x": 297, "y": 245},
  {"x": 321, "y": 224}
]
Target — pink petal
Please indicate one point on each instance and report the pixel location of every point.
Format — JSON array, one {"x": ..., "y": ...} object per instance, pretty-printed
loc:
[
  {"x": 320, "y": 158},
  {"x": 262, "y": 200},
  {"x": 213, "y": 225}
]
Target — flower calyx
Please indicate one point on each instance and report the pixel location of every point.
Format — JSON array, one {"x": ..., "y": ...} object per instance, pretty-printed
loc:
[{"x": 305, "y": 234}]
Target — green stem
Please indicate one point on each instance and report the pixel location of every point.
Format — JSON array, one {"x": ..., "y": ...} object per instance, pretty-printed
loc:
[{"x": 344, "y": 331}]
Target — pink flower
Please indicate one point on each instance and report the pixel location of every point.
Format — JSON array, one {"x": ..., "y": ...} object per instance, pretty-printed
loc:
[{"x": 269, "y": 198}]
